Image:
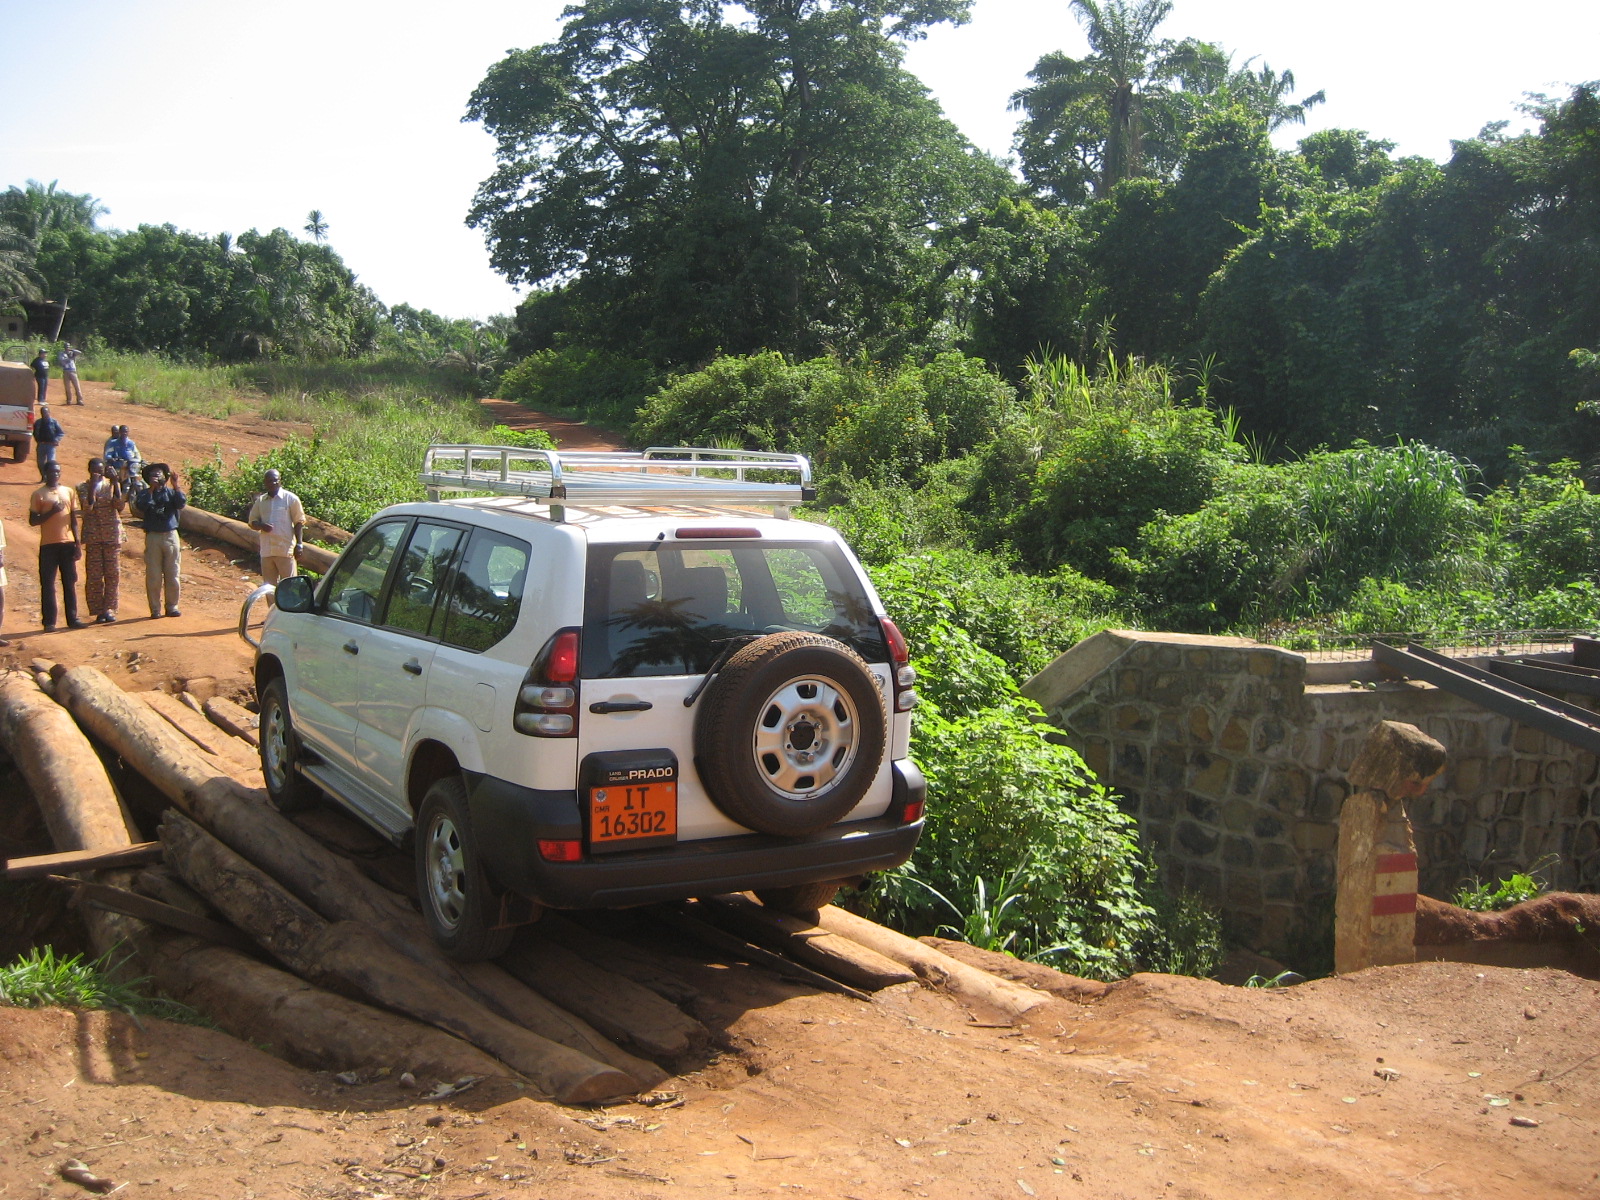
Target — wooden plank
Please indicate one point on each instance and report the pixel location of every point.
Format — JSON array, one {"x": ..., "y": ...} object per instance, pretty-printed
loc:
[
  {"x": 682, "y": 920},
  {"x": 138, "y": 855},
  {"x": 234, "y": 718},
  {"x": 131, "y": 904},
  {"x": 807, "y": 942}
]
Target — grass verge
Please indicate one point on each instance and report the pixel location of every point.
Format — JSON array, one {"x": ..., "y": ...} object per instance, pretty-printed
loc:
[{"x": 41, "y": 980}]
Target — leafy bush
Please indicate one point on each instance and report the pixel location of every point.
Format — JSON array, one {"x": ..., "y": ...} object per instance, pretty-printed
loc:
[
  {"x": 1025, "y": 621},
  {"x": 366, "y": 454},
  {"x": 758, "y": 402},
  {"x": 1014, "y": 813},
  {"x": 1110, "y": 475},
  {"x": 597, "y": 384},
  {"x": 1479, "y": 896}
]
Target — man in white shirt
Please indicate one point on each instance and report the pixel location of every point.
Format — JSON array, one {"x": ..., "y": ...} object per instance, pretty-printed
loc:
[{"x": 278, "y": 518}]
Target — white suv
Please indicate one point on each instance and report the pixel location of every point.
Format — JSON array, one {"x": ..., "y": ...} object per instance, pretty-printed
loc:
[{"x": 597, "y": 680}]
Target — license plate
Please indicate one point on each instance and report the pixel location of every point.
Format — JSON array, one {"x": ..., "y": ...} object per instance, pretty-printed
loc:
[{"x": 630, "y": 816}]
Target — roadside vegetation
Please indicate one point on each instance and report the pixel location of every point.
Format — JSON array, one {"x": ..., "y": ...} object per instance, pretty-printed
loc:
[{"x": 39, "y": 979}]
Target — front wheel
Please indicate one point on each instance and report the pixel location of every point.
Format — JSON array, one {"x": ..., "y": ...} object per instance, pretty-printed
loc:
[
  {"x": 280, "y": 751},
  {"x": 458, "y": 902}
]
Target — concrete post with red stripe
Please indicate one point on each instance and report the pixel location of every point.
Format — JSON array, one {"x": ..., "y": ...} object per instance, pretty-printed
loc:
[{"x": 1375, "y": 914}]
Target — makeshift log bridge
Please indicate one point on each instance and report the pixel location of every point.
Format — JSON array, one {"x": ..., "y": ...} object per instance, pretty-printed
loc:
[{"x": 289, "y": 939}]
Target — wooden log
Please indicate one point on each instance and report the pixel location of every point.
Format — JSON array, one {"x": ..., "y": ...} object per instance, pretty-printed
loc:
[
  {"x": 291, "y": 1018},
  {"x": 807, "y": 942},
  {"x": 241, "y": 761},
  {"x": 234, "y": 718},
  {"x": 332, "y": 886},
  {"x": 237, "y": 533},
  {"x": 69, "y": 783},
  {"x": 129, "y": 903},
  {"x": 68, "y": 861},
  {"x": 623, "y": 958},
  {"x": 934, "y": 969},
  {"x": 350, "y": 958},
  {"x": 683, "y": 921},
  {"x": 617, "y": 1007},
  {"x": 162, "y": 883}
]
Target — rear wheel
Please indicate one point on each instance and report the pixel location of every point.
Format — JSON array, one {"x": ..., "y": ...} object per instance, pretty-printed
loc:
[
  {"x": 458, "y": 901},
  {"x": 802, "y": 900},
  {"x": 280, "y": 751},
  {"x": 19, "y": 451}
]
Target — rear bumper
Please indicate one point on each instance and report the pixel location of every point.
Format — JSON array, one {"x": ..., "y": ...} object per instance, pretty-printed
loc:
[{"x": 509, "y": 821}]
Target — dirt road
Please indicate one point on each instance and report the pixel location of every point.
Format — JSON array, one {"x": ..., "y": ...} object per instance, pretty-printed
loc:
[{"x": 1436, "y": 1079}]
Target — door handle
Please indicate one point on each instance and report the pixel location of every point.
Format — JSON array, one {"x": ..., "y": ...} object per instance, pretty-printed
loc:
[
  {"x": 352, "y": 647},
  {"x": 413, "y": 667},
  {"x": 616, "y": 706}
]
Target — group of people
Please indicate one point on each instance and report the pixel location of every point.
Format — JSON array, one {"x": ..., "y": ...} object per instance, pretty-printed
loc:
[
  {"x": 85, "y": 524},
  {"x": 67, "y": 360}
]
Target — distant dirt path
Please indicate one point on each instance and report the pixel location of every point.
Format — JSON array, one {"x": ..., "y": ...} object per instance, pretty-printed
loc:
[{"x": 568, "y": 435}]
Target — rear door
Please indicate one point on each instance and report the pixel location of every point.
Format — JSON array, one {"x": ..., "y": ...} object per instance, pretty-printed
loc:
[{"x": 397, "y": 655}]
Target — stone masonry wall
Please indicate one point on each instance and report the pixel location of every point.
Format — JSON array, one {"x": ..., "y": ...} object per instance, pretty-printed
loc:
[{"x": 1235, "y": 770}]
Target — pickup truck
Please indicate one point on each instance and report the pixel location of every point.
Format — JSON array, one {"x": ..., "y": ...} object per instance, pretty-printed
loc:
[{"x": 17, "y": 394}]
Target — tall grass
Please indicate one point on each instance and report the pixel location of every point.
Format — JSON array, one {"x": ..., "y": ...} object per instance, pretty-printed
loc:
[
  {"x": 39, "y": 979},
  {"x": 201, "y": 390}
]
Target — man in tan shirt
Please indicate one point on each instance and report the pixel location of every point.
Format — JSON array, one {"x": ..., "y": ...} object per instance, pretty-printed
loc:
[{"x": 53, "y": 510}]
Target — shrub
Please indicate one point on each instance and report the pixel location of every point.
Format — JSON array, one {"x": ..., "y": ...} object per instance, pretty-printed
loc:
[
  {"x": 596, "y": 384},
  {"x": 1110, "y": 476},
  {"x": 758, "y": 402},
  {"x": 1025, "y": 621}
]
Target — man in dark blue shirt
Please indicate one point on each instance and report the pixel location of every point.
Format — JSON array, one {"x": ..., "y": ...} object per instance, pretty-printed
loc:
[
  {"x": 41, "y": 373},
  {"x": 159, "y": 503},
  {"x": 47, "y": 435}
]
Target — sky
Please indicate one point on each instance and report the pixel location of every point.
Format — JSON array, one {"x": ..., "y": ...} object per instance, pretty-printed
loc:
[{"x": 221, "y": 116}]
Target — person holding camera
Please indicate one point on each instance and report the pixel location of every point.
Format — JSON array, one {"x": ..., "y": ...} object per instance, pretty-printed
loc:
[
  {"x": 53, "y": 510},
  {"x": 158, "y": 504}
]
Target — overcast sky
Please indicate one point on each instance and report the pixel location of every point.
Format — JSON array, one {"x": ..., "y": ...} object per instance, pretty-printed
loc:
[{"x": 217, "y": 116}]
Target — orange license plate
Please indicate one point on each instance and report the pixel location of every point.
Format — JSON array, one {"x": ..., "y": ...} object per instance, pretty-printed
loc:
[{"x": 631, "y": 816}]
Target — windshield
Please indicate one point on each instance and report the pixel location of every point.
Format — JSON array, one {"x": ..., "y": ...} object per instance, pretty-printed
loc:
[{"x": 670, "y": 610}]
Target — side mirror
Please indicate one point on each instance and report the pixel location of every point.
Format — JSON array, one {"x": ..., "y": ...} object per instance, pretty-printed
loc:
[{"x": 294, "y": 594}]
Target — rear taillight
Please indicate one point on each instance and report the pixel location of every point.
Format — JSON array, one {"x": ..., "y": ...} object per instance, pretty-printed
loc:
[
  {"x": 905, "y": 675},
  {"x": 547, "y": 702}
]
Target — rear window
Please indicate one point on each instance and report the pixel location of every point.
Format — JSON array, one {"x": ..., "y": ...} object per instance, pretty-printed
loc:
[{"x": 670, "y": 610}]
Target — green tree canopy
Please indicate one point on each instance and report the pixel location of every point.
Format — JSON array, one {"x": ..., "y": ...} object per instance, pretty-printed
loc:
[
  {"x": 696, "y": 176},
  {"x": 1117, "y": 113}
]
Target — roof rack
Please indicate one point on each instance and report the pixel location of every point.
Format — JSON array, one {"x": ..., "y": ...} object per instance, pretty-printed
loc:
[{"x": 658, "y": 475}]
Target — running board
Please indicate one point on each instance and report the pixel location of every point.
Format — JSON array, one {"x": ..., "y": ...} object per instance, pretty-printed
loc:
[
  {"x": 1571, "y": 724},
  {"x": 368, "y": 808}
]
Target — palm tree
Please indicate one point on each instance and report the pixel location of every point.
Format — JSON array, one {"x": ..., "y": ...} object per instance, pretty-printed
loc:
[
  {"x": 38, "y": 208},
  {"x": 1093, "y": 122},
  {"x": 316, "y": 226},
  {"x": 1267, "y": 95}
]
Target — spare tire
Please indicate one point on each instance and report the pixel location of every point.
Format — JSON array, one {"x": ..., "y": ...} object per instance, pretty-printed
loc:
[{"x": 790, "y": 734}]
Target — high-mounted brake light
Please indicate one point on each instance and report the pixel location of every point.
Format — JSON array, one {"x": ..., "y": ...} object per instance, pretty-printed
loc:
[
  {"x": 716, "y": 531},
  {"x": 547, "y": 701}
]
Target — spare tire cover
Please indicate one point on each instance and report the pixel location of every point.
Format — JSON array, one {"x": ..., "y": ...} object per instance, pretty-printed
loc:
[{"x": 790, "y": 733}]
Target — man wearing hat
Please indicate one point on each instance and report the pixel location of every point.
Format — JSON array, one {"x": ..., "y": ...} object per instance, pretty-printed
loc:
[
  {"x": 158, "y": 504},
  {"x": 47, "y": 435}
]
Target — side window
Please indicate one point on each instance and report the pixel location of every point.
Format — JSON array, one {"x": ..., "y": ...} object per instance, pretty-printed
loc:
[
  {"x": 803, "y": 593},
  {"x": 421, "y": 573},
  {"x": 356, "y": 583},
  {"x": 486, "y": 595}
]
